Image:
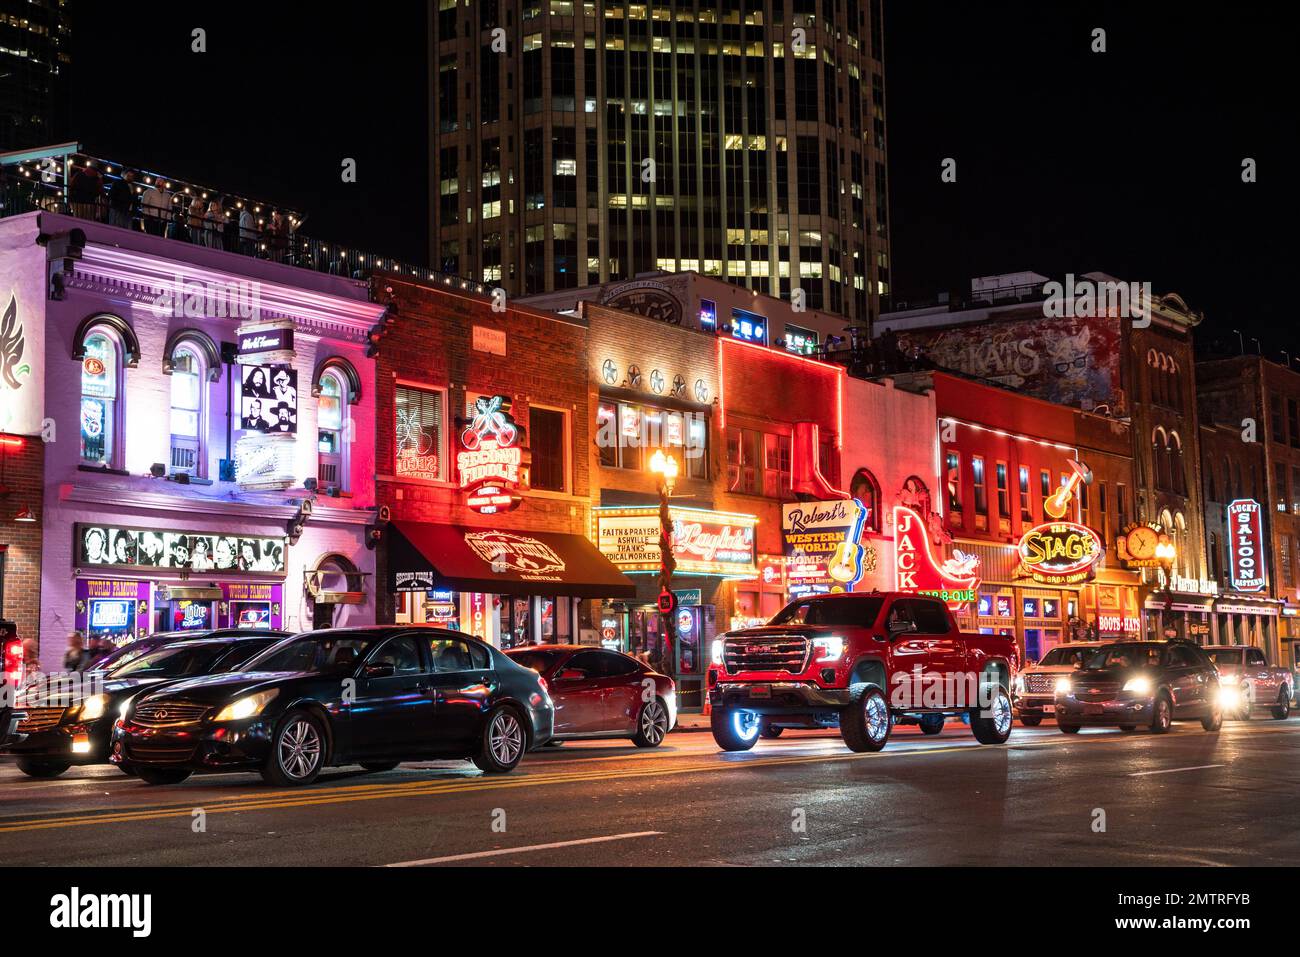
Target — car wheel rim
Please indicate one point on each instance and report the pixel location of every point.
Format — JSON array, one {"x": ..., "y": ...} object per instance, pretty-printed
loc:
[
  {"x": 652, "y": 722},
  {"x": 1162, "y": 714},
  {"x": 506, "y": 738},
  {"x": 1002, "y": 714},
  {"x": 746, "y": 725},
  {"x": 299, "y": 749},
  {"x": 877, "y": 717}
]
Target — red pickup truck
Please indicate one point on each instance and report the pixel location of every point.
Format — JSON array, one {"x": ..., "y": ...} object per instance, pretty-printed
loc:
[{"x": 861, "y": 661}]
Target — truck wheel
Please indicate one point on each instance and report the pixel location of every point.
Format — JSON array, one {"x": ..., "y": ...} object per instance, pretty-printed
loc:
[
  {"x": 931, "y": 723},
  {"x": 1282, "y": 708},
  {"x": 41, "y": 769},
  {"x": 1162, "y": 714},
  {"x": 995, "y": 726},
  {"x": 1067, "y": 728},
  {"x": 768, "y": 731},
  {"x": 1214, "y": 720},
  {"x": 1031, "y": 721},
  {"x": 734, "y": 730},
  {"x": 1247, "y": 704},
  {"x": 865, "y": 724}
]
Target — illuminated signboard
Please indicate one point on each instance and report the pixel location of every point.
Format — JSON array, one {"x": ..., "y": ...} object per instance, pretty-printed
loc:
[
  {"x": 490, "y": 463},
  {"x": 749, "y": 326},
  {"x": 1136, "y": 545},
  {"x": 1060, "y": 553},
  {"x": 821, "y": 543},
  {"x": 704, "y": 542},
  {"x": 954, "y": 581},
  {"x": 511, "y": 552},
  {"x": 418, "y": 434},
  {"x": 1245, "y": 547},
  {"x": 102, "y": 546}
]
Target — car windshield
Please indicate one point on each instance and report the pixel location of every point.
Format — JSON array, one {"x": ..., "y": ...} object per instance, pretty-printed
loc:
[
  {"x": 141, "y": 646},
  {"x": 539, "y": 661},
  {"x": 328, "y": 651},
  {"x": 1125, "y": 656},
  {"x": 1224, "y": 656},
  {"x": 861, "y": 610},
  {"x": 172, "y": 661},
  {"x": 1063, "y": 655}
]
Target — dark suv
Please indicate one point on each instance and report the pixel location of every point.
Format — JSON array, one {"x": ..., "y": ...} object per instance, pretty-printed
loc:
[{"x": 1132, "y": 683}]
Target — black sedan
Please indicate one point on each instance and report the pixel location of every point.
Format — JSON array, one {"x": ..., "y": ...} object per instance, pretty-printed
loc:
[
  {"x": 1140, "y": 683},
  {"x": 372, "y": 696},
  {"x": 67, "y": 723}
]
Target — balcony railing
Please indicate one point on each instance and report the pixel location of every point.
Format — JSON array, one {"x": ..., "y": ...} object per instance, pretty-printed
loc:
[{"x": 28, "y": 193}]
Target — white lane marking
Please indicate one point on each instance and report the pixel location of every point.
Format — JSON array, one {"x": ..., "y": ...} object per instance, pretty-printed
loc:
[
  {"x": 520, "y": 850},
  {"x": 1198, "y": 767}
]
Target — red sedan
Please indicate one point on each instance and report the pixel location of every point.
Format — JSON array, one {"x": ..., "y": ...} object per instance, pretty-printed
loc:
[{"x": 603, "y": 694}]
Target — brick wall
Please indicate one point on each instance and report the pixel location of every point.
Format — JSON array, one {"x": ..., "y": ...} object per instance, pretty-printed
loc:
[
  {"x": 23, "y": 477},
  {"x": 430, "y": 341}
]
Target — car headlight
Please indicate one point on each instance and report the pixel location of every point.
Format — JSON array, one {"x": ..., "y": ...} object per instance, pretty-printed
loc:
[
  {"x": 92, "y": 709},
  {"x": 246, "y": 707},
  {"x": 1063, "y": 685},
  {"x": 1227, "y": 679},
  {"x": 830, "y": 648},
  {"x": 717, "y": 651},
  {"x": 1018, "y": 686},
  {"x": 1138, "y": 685}
]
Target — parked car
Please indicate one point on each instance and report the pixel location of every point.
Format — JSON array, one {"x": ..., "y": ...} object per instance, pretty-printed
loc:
[
  {"x": 1247, "y": 679},
  {"x": 1135, "y": 683},
  {"x": 71, "y": 725},
  {"x": 373, "y": 696},
  {"x": 11, "y": 681},
  {"x": 848, "y": 660},
  {"x": 1033, "y": 693},
  {"x": 603, "y": 694}
]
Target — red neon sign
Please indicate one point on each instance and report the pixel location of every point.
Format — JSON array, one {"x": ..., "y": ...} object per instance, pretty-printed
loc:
[
  {"x": 916, "y": 570},
  {"x": 1246, "y": 529}
]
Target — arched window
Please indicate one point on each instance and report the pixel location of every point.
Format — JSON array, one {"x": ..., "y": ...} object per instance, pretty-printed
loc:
[
  {"x": 331, "y": 419},
  {"x": 101, "y": 394},
  {"x": 1183, "y": 556},
  {"x": 1177, "y": 475},
  {"x": 1160, "y": 453},
  {"x": 866, "y": 490},
  {"x": 188, "y": 410}
]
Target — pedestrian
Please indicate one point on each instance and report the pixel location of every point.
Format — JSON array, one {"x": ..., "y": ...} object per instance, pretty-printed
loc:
[
  {"x": 247, "y": 232},
  {"x": 31, "y": 657},
  {"x": 215, "y": 223},
  {"x": 178, "y": 228},
  {"x": 229, "y": 227},
  {"x": 278, "y": 236},
  {"x": 76, "y": 658},
  {"x": 157, "y": 203},
  {"x": 123, "y": 201},
  {"x": 197, "y": 210},
  {"x": 85, "y": 191}
]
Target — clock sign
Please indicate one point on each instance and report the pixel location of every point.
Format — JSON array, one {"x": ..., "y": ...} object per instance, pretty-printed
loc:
[{"x": 1137, "y": 545}]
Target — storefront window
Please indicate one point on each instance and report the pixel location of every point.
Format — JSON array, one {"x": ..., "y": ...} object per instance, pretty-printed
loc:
[
  {"x": 99, "y": 397},
  {"x": 419, "y": 452},
  {"x": 981, "y": 492},
  {"x": 546, "y": 440},
  {"x": 626, "y": 433}
]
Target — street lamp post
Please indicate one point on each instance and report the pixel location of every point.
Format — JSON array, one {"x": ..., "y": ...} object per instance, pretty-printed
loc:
[
  {"x": 1166, "y": 553},
  {"x": 665, "y": 466}
]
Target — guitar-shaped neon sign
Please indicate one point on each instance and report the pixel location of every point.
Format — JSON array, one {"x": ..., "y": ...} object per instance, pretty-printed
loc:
[
  {"x": 1058, "y": 503},
  {"x": 955, "y": 581}
]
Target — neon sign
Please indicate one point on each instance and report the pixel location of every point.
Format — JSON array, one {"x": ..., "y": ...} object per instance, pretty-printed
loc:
[
  {"x": 822, "y": 547},
  {"x": 490, "y": 463},
  {"x": 1246, "y": 556},
  {"x": 955, "y": 581},
  {"x": 1059, "y": 552}
]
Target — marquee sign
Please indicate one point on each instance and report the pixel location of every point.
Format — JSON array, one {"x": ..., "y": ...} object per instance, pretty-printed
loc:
[
  {"x": 491, "y": 463},
  {"x": 1245, "y": 549},
  {"x": 1060, "y": 553},
  {"x": 510, "y": 552},
  {"x": 955, "y": 581},
  {"x": 100, "y": 546},
  {"x": 265, "y": 343},
  {"x": 821, "y": 545},
  {"x": 704, "y": 542}
]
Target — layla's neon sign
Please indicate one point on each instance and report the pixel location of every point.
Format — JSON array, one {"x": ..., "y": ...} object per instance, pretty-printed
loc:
[
  {"x": 490, "y": 463},
  {"x": 1059, "y": 552},
  {"x": 955, "y": 581}
]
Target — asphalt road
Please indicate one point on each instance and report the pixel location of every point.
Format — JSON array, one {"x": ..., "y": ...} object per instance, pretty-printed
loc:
[{"x": 1186, "y": 798}]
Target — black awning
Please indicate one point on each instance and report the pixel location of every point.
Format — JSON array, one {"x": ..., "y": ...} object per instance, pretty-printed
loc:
[{"x": 423, "y": 556}]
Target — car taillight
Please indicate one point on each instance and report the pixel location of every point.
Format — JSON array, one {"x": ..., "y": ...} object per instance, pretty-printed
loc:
[
  {"x": 545, "y": 687},
  {"x": 13, "y": 663}
]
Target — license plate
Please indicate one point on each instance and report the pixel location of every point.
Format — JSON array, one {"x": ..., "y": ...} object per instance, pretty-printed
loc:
[
  {"x": 1093, "y": 709},
  {"x": 760, "y": 692},
  {"x": 1049, "y": 709}
]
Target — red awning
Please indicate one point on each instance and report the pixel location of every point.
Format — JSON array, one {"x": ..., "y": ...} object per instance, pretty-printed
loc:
[{"x": 424, "y": 556}]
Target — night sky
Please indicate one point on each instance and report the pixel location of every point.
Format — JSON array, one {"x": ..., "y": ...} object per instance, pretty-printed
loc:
[{"x": 1127, "y": 161}]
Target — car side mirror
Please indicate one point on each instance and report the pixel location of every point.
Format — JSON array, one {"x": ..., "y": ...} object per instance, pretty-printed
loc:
[
  {"x": 571, "y": 674},
  {"x": 382, "y": 669}
]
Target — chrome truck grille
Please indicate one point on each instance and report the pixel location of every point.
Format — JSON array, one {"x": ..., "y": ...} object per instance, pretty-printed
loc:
[
  {"x": 787, "y": 653},
  {"x": 40, "y": 719},
  {"x": 1040, "y": 683}
]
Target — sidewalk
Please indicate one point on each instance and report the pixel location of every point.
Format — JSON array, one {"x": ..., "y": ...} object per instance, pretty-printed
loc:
[{"x": 692, "y": 722}]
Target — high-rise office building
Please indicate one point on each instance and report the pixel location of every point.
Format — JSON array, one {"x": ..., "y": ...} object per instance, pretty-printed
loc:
[
  {"x": 578, "y": 142},
  {"x": 35, "y": 39}
]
